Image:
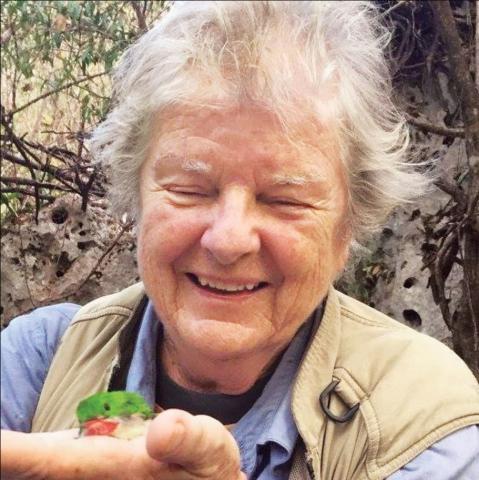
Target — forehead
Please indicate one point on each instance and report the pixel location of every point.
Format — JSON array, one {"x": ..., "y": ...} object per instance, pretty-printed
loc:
[{"x": 194, "y": 138}]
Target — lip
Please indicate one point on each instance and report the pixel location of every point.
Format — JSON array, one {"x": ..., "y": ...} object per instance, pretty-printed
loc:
[
  {"x": 238, "y": 281},
  {"x": 209, "y": 293}
]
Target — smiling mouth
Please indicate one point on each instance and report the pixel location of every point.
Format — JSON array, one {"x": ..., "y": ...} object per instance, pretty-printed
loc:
[{"x": 223, "y": 289}]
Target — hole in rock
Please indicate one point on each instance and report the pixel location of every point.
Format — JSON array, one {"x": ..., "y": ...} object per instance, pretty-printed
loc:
[
  {"x": 415, "y": 214},
  {"x": 85, "y": 245},
  {"x": 409, "y": 282},
  {"x": 59, "y": 215},
  {"x": 412, "y": 317},
  {"x": 387, "y": 232},
  {"x": 428, "y": 247}
]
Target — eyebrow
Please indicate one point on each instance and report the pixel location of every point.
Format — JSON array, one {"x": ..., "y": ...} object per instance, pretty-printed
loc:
[
  {"x": 186, "y": 164},
  {"x": 284, "y": 178},
  {"x": 194, "y": 165},
  {"x": 296, "y": 179}
]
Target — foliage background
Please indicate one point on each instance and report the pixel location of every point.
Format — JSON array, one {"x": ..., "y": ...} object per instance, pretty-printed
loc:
[
  {"x": 59, "y": 242},
  {"x": 56, "y": 57}
]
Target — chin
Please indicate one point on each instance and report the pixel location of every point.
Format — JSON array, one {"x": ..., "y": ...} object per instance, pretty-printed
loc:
[{"x": 220, "y": 340}]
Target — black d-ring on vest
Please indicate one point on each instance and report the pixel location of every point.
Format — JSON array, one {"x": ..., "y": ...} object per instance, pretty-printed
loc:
[{"x": 323, "y": 400}]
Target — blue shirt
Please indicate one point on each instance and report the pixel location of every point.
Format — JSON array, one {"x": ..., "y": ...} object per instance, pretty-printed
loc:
[{"x": 29, "y": 342}]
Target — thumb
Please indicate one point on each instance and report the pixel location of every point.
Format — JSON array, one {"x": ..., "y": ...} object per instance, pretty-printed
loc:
[{"x": 200, "y": 444}]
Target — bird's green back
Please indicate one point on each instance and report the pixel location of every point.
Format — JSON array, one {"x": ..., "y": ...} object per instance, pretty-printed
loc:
[{"x": 112, "y": 404}]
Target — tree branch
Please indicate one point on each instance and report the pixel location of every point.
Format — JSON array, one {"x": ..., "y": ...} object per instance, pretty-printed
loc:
[
  {"x": 453, "y": 190},
  {"x": 467, "y": 94},
  {"x": 23, "y": 151},
  {"x": 19, "y": 161},
  {"x": 22, "y": 191},
  {"x": 36, "y": 184},
  {"x": 465, "y": 89},
  {"x": 55, "y": 172},
  {"x": 139, "y": 16},
  {"x": 436, "y": 129},
  {"x": 391, "y": 9},
  {"x": 124, "y": 228},
  {"x": 56, "y": 90}
]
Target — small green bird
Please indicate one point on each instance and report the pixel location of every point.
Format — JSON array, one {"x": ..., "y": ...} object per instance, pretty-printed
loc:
[{"x": 116, "y": 414}]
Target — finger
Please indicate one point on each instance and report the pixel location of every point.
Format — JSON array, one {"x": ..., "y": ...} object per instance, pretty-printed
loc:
[
  {"x": 61, "y": 434},
  {"x": 200, "y": 444}
]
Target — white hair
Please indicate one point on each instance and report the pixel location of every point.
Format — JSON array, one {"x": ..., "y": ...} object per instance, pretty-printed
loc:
[{"x": 319, "y": 58}]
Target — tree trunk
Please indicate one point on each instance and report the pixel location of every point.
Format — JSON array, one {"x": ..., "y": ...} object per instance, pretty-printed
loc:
[{"x": 465, "y": 327}]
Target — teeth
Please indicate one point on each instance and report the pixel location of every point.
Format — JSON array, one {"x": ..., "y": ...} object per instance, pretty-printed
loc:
[{"x": 224, "y": 286}]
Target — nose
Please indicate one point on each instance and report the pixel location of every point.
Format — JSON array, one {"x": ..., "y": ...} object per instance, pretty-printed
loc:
[{"x": 232, "y": 233}]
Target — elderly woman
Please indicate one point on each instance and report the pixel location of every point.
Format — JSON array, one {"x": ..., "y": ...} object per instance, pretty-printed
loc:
[{"x": 253, "y": 142}]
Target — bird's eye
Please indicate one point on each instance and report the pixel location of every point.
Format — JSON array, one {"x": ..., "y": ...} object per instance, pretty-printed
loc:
[{"x": 106, "y": 406}]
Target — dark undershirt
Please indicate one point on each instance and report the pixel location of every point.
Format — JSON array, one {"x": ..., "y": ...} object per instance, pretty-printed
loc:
[{"x": 227, "y": 409}]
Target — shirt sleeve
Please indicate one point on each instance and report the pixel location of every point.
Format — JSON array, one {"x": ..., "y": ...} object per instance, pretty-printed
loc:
[
  {"x": 454, "y": 457},
  {"x": 27, "y": 348}
]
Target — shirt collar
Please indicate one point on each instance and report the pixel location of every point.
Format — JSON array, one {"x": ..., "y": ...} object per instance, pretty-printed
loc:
[
  {"x": 142, "y": 373},
  {"x": 270, "y": 420}
]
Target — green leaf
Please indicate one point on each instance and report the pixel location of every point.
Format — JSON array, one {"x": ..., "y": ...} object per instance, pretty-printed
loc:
[
  {"x": 57, "y": 39},
  {"x": 74, "y": 9}
]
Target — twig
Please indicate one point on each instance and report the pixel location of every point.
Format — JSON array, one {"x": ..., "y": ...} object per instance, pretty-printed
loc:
[
  {"x": 6, "y": 202},
  {"x": 19, "y": 161},
  {"x": 56, "y": 90},
  {"x": 140, "y": 16},
  {"x": 22, "y": 191},
  {"x": 124, "y": 228},
  {"x": 6, "y": 36},
  {"x": 85, "y": 189},
  {"x": 440, "y": 271},
  {"x": 35, "y": 183},
  {"x": 24, "y": 265},
  {"x": 391, "y": 9},
  {"x": 24, "y": 152},
  {"x": 453, "y": 190},
  {"x": 436, "y": 129},
  {"x": 432, "y": 52},
  {"x": 467, "y": 287},
  {"x": 58, "y": 153},
  {"x": 54, "y": 171}
]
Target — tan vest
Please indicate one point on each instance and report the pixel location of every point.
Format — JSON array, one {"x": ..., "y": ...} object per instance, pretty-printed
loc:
[{"x": 411, "y": 389}]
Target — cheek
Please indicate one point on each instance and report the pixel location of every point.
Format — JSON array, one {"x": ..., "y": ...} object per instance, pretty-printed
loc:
[
  {"x": 164, "y": 235},
  {"x": 305, "y": 255},
  {"x": 291, "y": 254}
]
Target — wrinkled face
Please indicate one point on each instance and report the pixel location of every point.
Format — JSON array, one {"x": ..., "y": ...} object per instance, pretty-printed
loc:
[{"x": 241, "y": 233}]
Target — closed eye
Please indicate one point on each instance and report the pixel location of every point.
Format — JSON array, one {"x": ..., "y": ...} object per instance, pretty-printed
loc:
[
  {"x": 283, "y": 202},
  {"x": 187, "y": 192},
  {"x": 288, "y": 203}
]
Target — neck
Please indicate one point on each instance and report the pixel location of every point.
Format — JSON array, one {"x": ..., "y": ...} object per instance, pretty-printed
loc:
[{"x": 199, "y": 372}]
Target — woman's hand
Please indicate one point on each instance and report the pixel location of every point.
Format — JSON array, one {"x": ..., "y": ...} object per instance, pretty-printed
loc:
[{"x": 178, "y": 446}]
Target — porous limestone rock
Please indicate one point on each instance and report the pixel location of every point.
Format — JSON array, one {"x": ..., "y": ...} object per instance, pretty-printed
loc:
[{"x": 50, "y": 262}]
